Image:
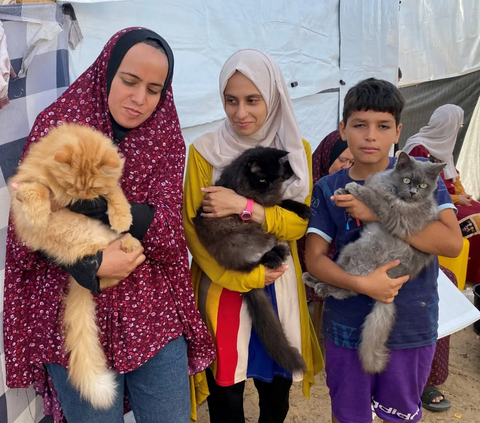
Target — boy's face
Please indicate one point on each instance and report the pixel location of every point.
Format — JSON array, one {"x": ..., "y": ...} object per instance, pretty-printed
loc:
[{"x": 370, "y": 135}]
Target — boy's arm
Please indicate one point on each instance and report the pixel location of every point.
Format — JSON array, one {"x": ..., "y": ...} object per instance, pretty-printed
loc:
[
  {"x": 377, "y": 285},
  {"x": 443, "y": 238}
]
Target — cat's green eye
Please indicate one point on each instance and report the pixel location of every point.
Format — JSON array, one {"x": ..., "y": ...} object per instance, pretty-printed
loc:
[
  {"x": 423, "y": 185},
  {"x": 406, "y": 180},
  {"x": 263, "y": 181}
]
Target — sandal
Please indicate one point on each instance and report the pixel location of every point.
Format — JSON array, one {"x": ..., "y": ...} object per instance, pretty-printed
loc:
[{"x": 429, "y": 394}]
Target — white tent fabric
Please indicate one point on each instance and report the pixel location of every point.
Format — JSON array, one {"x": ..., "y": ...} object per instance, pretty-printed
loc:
[
  {"x": 361, "y": 54},
  {"x": 302, "y": 36},
  {"x": 438, "y": 39}
]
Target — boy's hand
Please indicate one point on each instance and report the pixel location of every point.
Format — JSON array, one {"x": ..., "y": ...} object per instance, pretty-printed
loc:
[
  {"x": 379, "y": 286},
  {"x": 356, "y": 208}
]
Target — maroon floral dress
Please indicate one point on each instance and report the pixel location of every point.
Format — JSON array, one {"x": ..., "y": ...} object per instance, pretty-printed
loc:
[{"x": 155, "y": 304}]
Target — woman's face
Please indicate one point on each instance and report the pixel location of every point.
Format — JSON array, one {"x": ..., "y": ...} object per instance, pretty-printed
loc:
[
  {"x": 244, "y": 105},
  {"x": 344, "y": 161},
  {"x": 137, "y": 85}
]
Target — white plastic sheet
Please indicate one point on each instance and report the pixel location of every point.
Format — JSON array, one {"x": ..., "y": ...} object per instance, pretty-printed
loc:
[
  {"x": 438, "y": 39},
  {"x": 456, "y": 312}
]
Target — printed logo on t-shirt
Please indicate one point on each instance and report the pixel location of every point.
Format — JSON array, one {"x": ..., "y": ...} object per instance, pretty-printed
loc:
[{"x": 342, "y": 334}]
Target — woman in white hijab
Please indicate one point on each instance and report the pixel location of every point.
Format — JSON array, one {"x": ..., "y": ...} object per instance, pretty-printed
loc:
[
  {"x": 259, "y": 112},
  {"x": 436, "y": 141}
]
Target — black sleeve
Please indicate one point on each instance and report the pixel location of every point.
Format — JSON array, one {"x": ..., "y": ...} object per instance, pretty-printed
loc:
[
  {"x": 96, "y": 209},
  {"x": 84, "y": 271},
  {"x": 142, "y": 214}
]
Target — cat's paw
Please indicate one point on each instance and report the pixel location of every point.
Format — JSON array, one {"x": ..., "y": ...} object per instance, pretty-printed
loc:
[
  {"x": 309, "y": 280},
  {"x": 352, "y": 187},
  {"x": 107, "y": 283},
  {"x": 129, "y": 244},
  {"x": 304, "y": 212},
  {"x": 341, "y": 191},
  {"x": 272, "y": 259},
  {"x": 282, "y": 250},
  {"x": 120, "y": 220},
  {"x": 35, "y": 199},
  {"x": 339, "y": 293},
  {"x": 300, "y": 209}
]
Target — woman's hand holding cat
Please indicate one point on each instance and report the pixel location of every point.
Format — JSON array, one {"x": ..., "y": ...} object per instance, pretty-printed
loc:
[
  {"x": 222, "y": 202},
  {"x": 117, "y": 264},
  {"x": 379, "y": 286},
  {"x": 464, "y": 200},
  {"x": 356, "y": 208},
  {"x": 271, "y": 275}
]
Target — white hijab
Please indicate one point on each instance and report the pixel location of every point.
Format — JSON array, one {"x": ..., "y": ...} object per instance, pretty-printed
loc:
[
  {"x": 280, "y": 130},
  {"x": 439, "y": 136}
]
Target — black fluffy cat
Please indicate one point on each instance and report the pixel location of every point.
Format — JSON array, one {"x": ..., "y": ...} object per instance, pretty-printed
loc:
[{"x": 240, "y": 245}]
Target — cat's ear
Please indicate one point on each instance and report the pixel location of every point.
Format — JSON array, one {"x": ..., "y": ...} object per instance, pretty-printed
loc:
[
  {"x": 110, "y": 163},
  {"x": 110, "y": 160},
  {"x": 434, "y": 169},
  {"x": 64, "y": 156},
  {"x": 404, "y": 161},
  {"x": 281, "y": 154},
  {"x": 287, "y": 170}
]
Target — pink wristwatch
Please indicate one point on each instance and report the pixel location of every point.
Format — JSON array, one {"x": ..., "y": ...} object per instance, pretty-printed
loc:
[{"x": 248, "y": 212}]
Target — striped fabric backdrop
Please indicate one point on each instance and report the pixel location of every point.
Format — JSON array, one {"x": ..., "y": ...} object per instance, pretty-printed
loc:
[{"x": 37, "y": 40}]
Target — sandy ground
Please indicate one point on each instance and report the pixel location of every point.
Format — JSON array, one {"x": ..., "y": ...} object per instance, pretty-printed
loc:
[{"x": 462, "y": 388}]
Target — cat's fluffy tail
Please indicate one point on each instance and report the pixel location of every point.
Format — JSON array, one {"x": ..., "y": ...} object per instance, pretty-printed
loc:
[
  {"x": 270, "y": 332},
  {"x": 87, "y": 363},
  {"x": 375, "y": 332}
]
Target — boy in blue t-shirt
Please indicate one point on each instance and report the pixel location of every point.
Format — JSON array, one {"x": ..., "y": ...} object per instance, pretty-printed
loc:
[{"x": 371, "y": 126}]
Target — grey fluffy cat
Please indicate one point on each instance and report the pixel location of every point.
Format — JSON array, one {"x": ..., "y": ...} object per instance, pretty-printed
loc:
[
  {"x": 240, "y": 245},
  {"x": 403, "y": 201}
]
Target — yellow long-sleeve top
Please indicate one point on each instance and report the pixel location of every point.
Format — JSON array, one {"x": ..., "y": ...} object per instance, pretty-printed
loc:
[
  {"x": 458, "y": 189},
  {"x": 221, "y": 286}
]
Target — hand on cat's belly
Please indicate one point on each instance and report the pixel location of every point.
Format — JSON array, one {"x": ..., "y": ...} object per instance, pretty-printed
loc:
[
  {"x": 354, "y": 207},
  {"x": 379, "y": 286},
  {"x": 221, "y": 202}
]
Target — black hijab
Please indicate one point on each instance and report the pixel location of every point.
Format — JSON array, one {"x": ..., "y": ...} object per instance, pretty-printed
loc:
[
  {"x": 338, "y": 148},
  {"x": 125, "y": 43}
]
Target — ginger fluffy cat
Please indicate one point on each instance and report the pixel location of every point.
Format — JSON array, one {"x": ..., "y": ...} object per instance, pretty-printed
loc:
[{"x": 69, "y": 164}]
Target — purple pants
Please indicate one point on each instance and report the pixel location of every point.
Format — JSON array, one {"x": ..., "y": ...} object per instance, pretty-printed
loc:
[{"x": 394, "y": 394}]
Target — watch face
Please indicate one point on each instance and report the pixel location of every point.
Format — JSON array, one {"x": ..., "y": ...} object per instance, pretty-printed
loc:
[{"x": 246, "y": 215}]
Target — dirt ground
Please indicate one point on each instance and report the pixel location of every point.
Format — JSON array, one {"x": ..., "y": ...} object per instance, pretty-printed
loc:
[{"x": 462, "y": 388}]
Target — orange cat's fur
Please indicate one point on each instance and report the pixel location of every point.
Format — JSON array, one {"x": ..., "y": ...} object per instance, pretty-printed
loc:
[{"x": 69, "y": 164}]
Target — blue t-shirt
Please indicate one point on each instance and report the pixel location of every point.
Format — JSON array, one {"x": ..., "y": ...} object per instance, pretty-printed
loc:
[{"x": 417, "y": 301}]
